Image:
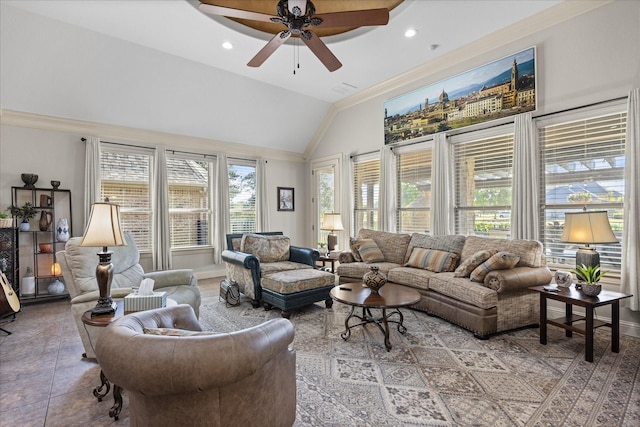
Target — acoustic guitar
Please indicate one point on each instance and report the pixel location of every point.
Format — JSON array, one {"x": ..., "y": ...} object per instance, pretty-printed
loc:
[{"x": 9, "y": 302}]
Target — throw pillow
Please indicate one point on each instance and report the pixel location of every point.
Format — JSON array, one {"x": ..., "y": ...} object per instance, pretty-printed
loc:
[
  {"x": 354, "y": 244},
  {"x": 369, "y": 251},
  {"x": 171, "y": 332},
  {"x": 432, "y": 260},
  {"x": 499, "y": 261},
  {"x": 468, "y": 265},
  {"x": 267, "y": 248}
]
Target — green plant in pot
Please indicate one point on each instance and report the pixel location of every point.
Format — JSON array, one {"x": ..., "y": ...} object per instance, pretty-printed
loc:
[
  {"x": 26, "y": 212},
  {"x": 5, "y": 220},
  {"x": 321, "y": 248},
  {"x": 589, "y": 277}
]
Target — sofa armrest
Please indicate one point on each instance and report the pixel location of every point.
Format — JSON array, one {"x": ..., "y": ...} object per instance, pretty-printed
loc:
[
  {"x": 162, "y": 279},
  {"x": 241, "y": 260},
  {"x": 303, "y": 255},
  {"x": 503, "y": 281}
]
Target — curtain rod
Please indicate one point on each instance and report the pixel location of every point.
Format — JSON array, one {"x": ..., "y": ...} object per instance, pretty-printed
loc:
[
  {"x": 363, "y": 154},
  {"x": 150, "y": 148}
]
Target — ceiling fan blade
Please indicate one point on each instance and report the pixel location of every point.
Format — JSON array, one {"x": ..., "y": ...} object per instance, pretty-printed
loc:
[
  {"x": 354, "y": 18},
  {"x": 321, "y": 50},
  {"x": 269, "y": 48},
  {"x": 210, "y": 9},
  {"x": 301, "y": 4}
]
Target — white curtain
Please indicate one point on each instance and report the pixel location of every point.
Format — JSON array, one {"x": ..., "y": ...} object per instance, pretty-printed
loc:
[
  {"x": 441, "y": 188},
  {"x": 223, "y": 223},
  {"x": 262, "y": 196},
  {"x": 630, "y": 277},
  {"x": 91, "y": 175},
  {"x": 388, "y": 179},
  {"x": 347, "y": 201},
  {"x": 162, "y": 239},
  {"x": 525, "y": 201}
]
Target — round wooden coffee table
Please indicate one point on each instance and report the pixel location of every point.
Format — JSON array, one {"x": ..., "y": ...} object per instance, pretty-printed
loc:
[{"x": 390, "y": 296}]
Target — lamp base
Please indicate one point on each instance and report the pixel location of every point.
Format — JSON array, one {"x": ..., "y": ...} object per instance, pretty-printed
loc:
[
  {"x": 104, "y": 307},
  {"x": 587, "y": 256},
  {"x": 332, "y": 242}
]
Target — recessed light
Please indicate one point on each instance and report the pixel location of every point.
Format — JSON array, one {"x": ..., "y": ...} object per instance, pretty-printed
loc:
[
  {"x": 227, "y": 45},
  {"x": 411, "y": 32}
]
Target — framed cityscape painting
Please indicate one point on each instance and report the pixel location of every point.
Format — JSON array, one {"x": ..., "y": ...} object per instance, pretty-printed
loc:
[{"x": 499, "y": 89}]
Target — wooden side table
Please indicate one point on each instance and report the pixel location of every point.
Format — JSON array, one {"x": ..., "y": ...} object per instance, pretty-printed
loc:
[
  {"x": 329, "y": 259},
  {"x": 103, "y": 389},
  {"x": 572, "y": 296}
]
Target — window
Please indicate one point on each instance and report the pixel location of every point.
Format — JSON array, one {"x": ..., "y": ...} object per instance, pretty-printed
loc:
[
  {"x": 189, "y": 201},
  {"x": 125, "y": 179},
  {"x": 483, "y": 186},
  {"x": 366, "y": 191},
  {"x": 242, "y": 196},
  {"x": 583, "y": 165},
  {"x": 414, "y": 191}
]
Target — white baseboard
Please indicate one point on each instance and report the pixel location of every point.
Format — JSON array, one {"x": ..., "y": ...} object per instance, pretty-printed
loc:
[{"x": 626, "y": 327}]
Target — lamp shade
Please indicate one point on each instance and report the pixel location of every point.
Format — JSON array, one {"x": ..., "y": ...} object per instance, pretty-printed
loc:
[
  {"x": 587, "y": 227},
  {"x": 331, "y": 221},
  {"x": 104, "y": 227}
]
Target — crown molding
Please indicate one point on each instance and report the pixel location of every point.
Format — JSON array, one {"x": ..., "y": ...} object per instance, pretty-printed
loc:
[
  {"x": 529, "y": 26},
  {"x": 140, "y": 136}
]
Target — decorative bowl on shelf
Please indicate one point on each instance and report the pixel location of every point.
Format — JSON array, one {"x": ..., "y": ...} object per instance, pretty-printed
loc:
[
  {"x": 55, "y": 184},
  {"x": 45, "y": 248},
  {"x": 29, "y": 179}
]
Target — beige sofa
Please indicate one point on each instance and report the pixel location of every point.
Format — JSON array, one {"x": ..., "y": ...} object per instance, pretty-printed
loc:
[{"x": 500, "y": 302}]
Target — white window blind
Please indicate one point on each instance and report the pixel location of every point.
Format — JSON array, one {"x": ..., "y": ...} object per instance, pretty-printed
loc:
[
  {"x": 414, "y": 191},
  {"x": 366, "y": 191},
  {"x": 583, "y": 165},
  {"x": 189, "y": 201},
  {"x": 483, "y": 175},
  {"x": 242, "y": 195},
  {"x": 125, "y": 180}
]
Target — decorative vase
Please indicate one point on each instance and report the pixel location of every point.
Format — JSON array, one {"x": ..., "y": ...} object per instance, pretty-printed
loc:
[
  {"x": 591, "y": 289},
  {"x": 28, "y": 285},
  {"x": 374, "y": 280},
  {"x": 563, "y": 278},
  {"x": 24, "y": 225},
  {"x": 29, "y": 179},
  {"x": 45, "y": 221},
  {"x": 323, "y": 251},
  {"x": 62, "y": 230},
  {"x": 56, "y": 287}
]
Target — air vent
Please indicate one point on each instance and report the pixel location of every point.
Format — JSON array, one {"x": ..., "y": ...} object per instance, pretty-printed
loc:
[{"x": 344, "y": 88}]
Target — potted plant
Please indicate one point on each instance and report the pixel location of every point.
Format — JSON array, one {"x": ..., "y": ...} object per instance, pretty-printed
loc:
[
  {"x": 589, "y": 277},
  {"x": 322, "y": 249},
  {"x": 26, "y": 212},
  {"x": 5, "y": 220}
]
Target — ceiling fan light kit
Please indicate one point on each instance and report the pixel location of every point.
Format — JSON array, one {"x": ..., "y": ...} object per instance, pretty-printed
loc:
[{"x": 298, "y": 16}]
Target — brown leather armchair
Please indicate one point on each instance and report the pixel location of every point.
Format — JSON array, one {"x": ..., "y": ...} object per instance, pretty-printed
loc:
[{"x": 240, "y": 378}]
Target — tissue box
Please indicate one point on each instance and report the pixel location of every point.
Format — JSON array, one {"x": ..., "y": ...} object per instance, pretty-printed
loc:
[{"x": 134, "y": 302}]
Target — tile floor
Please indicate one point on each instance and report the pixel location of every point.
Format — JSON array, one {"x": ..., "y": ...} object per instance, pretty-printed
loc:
[{"x": 44, "y": 381}]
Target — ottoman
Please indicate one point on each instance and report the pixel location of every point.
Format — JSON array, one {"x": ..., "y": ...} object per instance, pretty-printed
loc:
[{"x": 292, "y": 289}]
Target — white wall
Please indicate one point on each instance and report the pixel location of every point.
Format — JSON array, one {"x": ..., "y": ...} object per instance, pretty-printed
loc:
[{"x": 591, "y": 58}]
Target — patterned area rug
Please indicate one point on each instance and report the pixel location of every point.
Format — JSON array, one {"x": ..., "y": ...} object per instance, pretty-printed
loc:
[{"x": 440, "y": 375}]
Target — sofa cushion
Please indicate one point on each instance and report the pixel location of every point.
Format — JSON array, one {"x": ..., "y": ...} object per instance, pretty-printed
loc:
[
  {"x": 468, "y": 265},
  {"x": 369, "y": 251},
  {"x": 393, "y": 245},
  {"x": 464, "y": 290},
  {"x": 432, "y": 260},
  {"x": 357, "y": 269},
  {"x": 292, "y": 281},
  {"x": 530, "y": 251},
  {"x": 413, "y": 277},
  {"x": 272, "y": 267},
  {"x": 269, "y": 248},
  {"x": 499, "y": 261}
]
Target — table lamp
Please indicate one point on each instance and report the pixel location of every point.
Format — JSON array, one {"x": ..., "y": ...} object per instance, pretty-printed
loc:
[
  {"x": 588, "y": 228},
  {"x": 104, "y": 230},
  {"x": 332, "y": 222}
]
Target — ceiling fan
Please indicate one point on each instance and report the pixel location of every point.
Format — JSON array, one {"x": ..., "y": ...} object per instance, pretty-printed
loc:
[{"x": 298, "y": 16}]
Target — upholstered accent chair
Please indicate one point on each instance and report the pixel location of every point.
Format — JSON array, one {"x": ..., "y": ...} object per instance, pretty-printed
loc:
[
  {"x": 78, "y": 265},
  {"x": 242, "y": 378},
  {"x": 274, "y": 273}
]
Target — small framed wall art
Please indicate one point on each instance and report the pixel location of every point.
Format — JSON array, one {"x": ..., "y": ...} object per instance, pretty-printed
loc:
[{"x": 285, "y": 199}]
